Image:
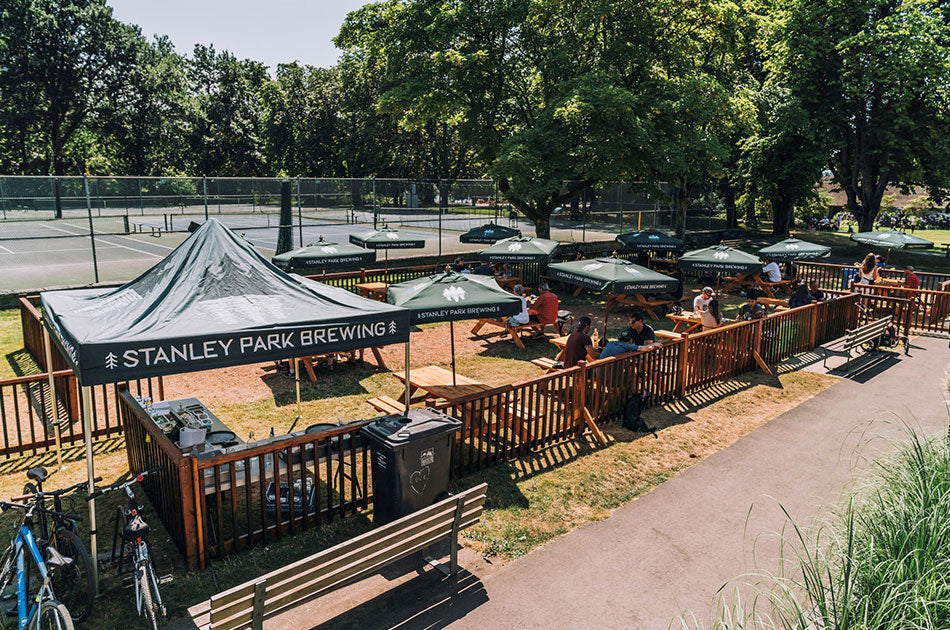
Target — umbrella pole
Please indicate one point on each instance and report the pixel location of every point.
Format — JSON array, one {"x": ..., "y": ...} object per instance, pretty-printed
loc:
[
  {"x": 606, "y": 317},
  {"x": 452, "y": 336},
  {"x": 407, "y": 376},
  {"x": 387, "y": 264},
  {"x": 297, "y": 384},
  {"x": 54, "y": 406},
  {"x": 90, "y": 476}
]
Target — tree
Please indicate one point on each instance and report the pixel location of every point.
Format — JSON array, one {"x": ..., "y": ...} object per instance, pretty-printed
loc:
[
  {"x": 60, "y": 60},
  {"x": 872, "y": 75},
  {"x": 782, "y": 159}
]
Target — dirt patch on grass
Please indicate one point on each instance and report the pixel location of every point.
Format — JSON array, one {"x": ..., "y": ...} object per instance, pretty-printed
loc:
[{"x": 578, "y": 484}]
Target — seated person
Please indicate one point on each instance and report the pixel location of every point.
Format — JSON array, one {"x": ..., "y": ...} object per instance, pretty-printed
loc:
[
  {"x": 751, "y": 309},
  {"x": 789, "y": 270},
  {"x": 801, "y": 297},
  {"x": 523, "y": 317},
  {"x": 484, "y": 269},
  {"x": 701, "y": 301},
  {"x": 506, "y": 271},
  {"x": 911, "y": 279},
  {"x": 712, "y": 316},
  {"x": 458, "y": 265},
  {"x": 544, "y": 309},
  {"x": 772, "y": 272},
  {"x": 579, "y": 345},
  {"x": 638, "y": 337},
  {"x": 815, "y": 292}
]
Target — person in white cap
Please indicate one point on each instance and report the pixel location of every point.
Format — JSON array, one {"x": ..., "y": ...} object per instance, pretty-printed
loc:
[{"x": 701, "y": 301}]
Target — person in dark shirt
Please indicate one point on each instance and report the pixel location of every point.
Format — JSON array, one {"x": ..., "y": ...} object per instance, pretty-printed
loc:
[
  {"x": 815, "y": 292},
  {"x": 459, "y": 266},
  {"x": 801, "y": 297},
  {"x": 639, "y": 333},
  {"x": 751, "y": 309},
  {"x": 579, "y": 345},
  {"x": 484, "y": 269}
]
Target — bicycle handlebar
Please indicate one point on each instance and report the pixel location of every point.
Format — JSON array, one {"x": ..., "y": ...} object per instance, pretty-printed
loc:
[
  {"x": 121, "y": 486},
  {"x": 5, "y": 505},
  {"x": 82, "y": 485}
]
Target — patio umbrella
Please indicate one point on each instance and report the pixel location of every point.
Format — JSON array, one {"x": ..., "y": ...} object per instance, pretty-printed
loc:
[
  {"x": 322, "y": 255},
  {"x": 387, "y": 239},
  {"x": 650, "y": 240},
  {"x": 488, "y": 233},
  {"x": 519, "y": 249},
  {"x": 612, "y": 275},
  {"x": 891, "y": 239},
  {"x": 451, "y": 297},
  {"x": 794, "y": 249},
  {"x": 720, "y": 258}
]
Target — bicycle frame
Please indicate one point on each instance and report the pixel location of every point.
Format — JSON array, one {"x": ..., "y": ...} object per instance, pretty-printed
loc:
[
  {"x": 23, "y": 542},
  {"x": 143, "y": 563}
]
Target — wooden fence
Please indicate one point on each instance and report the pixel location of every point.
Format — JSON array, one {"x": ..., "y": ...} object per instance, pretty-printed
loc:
[{"x": 836, "y": 277}]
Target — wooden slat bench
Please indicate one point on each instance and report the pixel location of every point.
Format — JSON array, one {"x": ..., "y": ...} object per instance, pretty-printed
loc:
[
  {"x": 869, "y": 333},
  {"x": 386, "y": 404},
  {"x": 247, "y": 605},
  {"x": 548, "y": 364},
  {"x": 667, "y": 335},
  {"x": 513, "y": 331}
]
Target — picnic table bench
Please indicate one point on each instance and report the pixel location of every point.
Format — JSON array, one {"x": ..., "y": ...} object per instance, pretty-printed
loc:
[
  {"x": 373, "y": 290},
  {"x": 387, "y": 405},
  {"x": 752, "y": 280},
  {"x": 247, "y": 605},
  {"x": 437, "y": 383},
  {"x": 867, "y": 336},
  {"x": 513, "y": 331}
]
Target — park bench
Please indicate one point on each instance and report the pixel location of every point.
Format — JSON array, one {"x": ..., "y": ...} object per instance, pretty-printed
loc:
[
  {"x": 247, "y": 605},
  {"x": 667, "y": 335},
  {"x": 731, "y": 242},
  {"x": 869, "y": 334},
  {"x": 548, "y": 364},
  {"x": 387, "y": 405}
]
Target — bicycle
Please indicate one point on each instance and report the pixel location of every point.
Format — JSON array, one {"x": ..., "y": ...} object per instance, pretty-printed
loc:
[
  {"x": 135, "y": 545},
  {"x": 46, "y": 612},
  {"x": 75, "y": 584}
]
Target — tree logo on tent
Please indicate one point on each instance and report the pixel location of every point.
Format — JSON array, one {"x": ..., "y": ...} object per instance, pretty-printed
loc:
[
  {"x": 393, "y": 236},
  {"x": 593, "y": 266},
  {"x": 721, "y": 255},
  {"x": 454, "y": 294},
  {"x": 514, "y": 247},
  {"x": 111, "y": 361},
  {"x": 393, "y": 328},
  {"x": 329, "y": 250}
]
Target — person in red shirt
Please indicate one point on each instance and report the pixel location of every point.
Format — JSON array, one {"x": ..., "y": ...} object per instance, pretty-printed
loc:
[
  {"x": 544, "y": 309},
  {"x": 911, "y": 279}
]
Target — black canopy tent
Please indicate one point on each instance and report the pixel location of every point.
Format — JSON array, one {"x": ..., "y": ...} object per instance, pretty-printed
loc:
[{"x": 213, "y": 302}]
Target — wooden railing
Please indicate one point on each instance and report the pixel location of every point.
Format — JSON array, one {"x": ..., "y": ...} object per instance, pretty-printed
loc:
[
  {"x": 221, "y": 503},
  {"x": 835, "y": 277}
]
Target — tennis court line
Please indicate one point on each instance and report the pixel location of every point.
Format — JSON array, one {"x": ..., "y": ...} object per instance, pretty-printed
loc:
[
  {"x": 6, "y": 250},
  {"x": 99, "y": 238},
  {"x": 104, "y": 246}
]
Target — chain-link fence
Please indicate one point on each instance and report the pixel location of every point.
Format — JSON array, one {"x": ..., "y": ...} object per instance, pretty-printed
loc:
[{"x": 57, "y": 231}]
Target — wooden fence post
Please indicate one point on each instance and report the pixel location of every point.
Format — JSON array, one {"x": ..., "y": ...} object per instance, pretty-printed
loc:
[
  {"x": 757, "y": 347},
  {"x": 580, "y": 393},
  {"x": 682, "y": 366},
  {"x": 813, "y": 329}
]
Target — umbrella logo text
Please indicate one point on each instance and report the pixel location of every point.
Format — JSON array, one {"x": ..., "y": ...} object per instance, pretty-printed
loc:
[
  {"x": 454, "y": 294},
  {"x": 514, "y": 247},
  {"x": 720, "y": 255}
]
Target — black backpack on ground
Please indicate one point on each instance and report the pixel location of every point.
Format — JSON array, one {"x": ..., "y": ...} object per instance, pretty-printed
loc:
[{"x": 631, "y": 415}]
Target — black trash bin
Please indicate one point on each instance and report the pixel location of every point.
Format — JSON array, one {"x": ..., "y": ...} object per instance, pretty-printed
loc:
[{"x": 411, "y": 457}]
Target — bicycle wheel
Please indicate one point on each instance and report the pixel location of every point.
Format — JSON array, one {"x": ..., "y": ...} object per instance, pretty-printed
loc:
[
  {"x": 148, "y": 602},
  {"x": 73, "y": 584},
  {"x": 52, "y": 616}
]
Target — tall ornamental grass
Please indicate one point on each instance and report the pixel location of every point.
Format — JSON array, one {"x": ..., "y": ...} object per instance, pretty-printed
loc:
[{"x": 885, "y": 564}]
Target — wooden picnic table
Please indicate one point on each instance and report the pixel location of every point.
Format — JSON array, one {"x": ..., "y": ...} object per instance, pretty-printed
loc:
[
  {"x": 337, "y": 357},
  {"x": 754, "y": 280},
  {"x": 507, "y": 282},
  {"x": 686, "y": 322},
  {"x": 437, "y": 382},
  {"x": 373, "y": 290},
  {"x": 636, "y": 300}
]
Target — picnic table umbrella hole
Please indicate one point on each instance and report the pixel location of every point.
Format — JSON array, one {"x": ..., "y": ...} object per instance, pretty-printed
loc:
[
  {"x": 794, "y": 249},
  {"x": 612, "y": 275},
  {"x": 387, "y": 239},
  {"x": 452, "y": 297},
  {"x": 489, "y": 233}
]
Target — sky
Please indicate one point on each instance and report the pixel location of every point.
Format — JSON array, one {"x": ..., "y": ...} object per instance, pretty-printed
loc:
[{"x": 269, "y": 31}]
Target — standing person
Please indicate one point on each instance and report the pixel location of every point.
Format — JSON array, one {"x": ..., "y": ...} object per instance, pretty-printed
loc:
[
  {"x": 579, "y": 344},
  {"x": 772, "y": 271},
  {"x": 868, "y": 271},
  {"x": 523, "y": 317},
  {"x": 815, "y": 292},
  {"x": 712, "y": 316},
  {"x": 911, "y": 279},
  {"x": 701, "y": 301}
]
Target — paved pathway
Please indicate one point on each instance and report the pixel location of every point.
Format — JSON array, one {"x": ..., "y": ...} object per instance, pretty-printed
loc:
[{"x": 672, "y": 549}]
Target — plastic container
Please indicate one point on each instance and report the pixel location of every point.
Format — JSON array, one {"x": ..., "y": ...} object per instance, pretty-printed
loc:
[{"x": 411, "y": 455}]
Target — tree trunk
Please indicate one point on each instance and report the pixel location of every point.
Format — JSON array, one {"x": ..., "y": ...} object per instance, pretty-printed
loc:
[
  {"x": 781, "y": 215},
  {"x": 542, "y": 224},
  {"x": 681, "y": 200},
  {"x": 728, "y": 194},
  {"x": 285, "y": 232}
]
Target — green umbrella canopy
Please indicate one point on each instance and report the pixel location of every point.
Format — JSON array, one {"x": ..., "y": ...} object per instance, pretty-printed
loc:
[
  {"x": 488, "y": 233},
  {"x": 519, "y": 249},
  {"x": 612, "y": 275},
  {"x": 386, "y": 238},
  {"x": 650, "y": 240},
  {"x": 324, "y": 254},
  {"x": 720, "y": 258},
  {"x": 891, "y": 239},
  {"x": 794, "y": 249},
  {"x": 453, "y": 296}
]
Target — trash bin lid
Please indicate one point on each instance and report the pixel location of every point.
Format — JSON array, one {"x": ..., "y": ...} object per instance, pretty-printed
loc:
[{"x": 417, "y": 424}]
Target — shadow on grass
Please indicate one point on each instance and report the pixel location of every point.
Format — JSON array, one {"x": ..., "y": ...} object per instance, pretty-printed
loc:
[
  {"x": 22, "y": 363},
  {"x": 72, "y": 453},
  {"x": 329, "y": 383}
]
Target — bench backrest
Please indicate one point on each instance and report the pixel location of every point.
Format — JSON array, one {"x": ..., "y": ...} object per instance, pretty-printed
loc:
[
  {"x": 868, "y": 332},
  {"x": 248, "y": 604}
]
